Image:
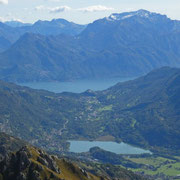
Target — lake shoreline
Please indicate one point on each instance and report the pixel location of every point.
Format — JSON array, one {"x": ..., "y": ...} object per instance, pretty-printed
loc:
[{"x": 81, "y": 146}]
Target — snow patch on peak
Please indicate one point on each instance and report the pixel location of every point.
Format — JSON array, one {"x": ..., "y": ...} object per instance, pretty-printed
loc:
[
  {"x": 128, "y": 16},
  {"x": 140, "y": 13},
  {"x": 143, "y": 13},
  {"x": 113, "y": 17},
  {"x": 118, "y": 17}
]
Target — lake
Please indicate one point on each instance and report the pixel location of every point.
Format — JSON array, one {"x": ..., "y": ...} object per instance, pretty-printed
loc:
[
  {"x": 118, "y": 148},
  {"x": 81, "y": 86},
  {"x": 75, "y": 86}
]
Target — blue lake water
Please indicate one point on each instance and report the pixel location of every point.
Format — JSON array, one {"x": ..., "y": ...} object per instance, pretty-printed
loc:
[
  {"x": 118, "y": 148},
  {"x": 75, "y": 86}
]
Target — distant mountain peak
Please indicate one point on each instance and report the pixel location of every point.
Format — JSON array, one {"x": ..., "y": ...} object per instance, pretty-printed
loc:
[
  {"x": 17, "y": 23},
  {"x": 54, "y": 22},
  {"x": 143, "y": 12},
  {"x": 140, "y": 13},
  {"x": 60, "y": 20}
]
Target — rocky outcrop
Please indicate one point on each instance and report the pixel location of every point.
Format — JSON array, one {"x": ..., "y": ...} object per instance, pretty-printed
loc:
[
  {"x": 23, "y": 166},
  {"x": 9, "y": 144},
  {"x": 48, "y": 161}
]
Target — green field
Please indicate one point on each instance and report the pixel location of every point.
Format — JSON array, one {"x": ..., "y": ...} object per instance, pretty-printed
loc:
[{"x": 158, "y": 166}]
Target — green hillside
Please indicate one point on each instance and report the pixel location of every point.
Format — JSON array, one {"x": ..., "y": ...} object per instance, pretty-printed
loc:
[{"x": 143, "y": 112}]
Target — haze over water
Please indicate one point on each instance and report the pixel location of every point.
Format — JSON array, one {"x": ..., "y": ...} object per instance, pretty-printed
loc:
[{"x": 77, "y": 86}]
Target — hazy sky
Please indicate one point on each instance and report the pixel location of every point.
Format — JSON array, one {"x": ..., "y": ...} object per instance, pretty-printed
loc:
[{"x": 81, "y": 11}]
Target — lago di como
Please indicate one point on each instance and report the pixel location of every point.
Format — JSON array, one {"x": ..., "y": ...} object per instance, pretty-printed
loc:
[
  {"x": 89, "y": 90},
  {"x": 77, "y": 86}
]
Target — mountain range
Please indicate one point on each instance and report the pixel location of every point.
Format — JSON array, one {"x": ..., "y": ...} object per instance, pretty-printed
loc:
[
  {"x": 126, "y": 44},
  {"x": 16, "y": 23},
  {"x": 142, "y": 112},
  {"x": 11, "y": 31}
]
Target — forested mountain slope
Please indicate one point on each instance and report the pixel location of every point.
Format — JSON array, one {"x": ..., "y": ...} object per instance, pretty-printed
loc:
[{"x": 127, "y": 44}]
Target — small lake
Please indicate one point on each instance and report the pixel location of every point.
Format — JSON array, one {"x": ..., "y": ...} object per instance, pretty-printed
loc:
[
  {"x": 75, "y": 86},
  {"x": 118, "y": 148}
]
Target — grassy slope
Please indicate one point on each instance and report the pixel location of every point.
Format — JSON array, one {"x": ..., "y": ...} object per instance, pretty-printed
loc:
[{"x": 156, "y": 166}]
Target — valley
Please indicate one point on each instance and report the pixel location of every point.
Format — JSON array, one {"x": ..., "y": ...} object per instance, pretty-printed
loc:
[
  {"x": 115, "y": 112},
  {"x": 122, "y": 111}
]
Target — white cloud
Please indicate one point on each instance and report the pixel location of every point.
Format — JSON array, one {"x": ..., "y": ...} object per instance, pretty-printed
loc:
[
  {"x": 40, "y": 8},
  {"x": 3, "y": 1},
  {"x": 59, "y": 9},
  {"x": 96, "y": 8},
  {"x": 53, "y": 9}
]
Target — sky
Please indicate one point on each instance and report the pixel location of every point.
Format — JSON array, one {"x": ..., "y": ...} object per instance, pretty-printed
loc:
[{"x": 81, "y": 11}]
